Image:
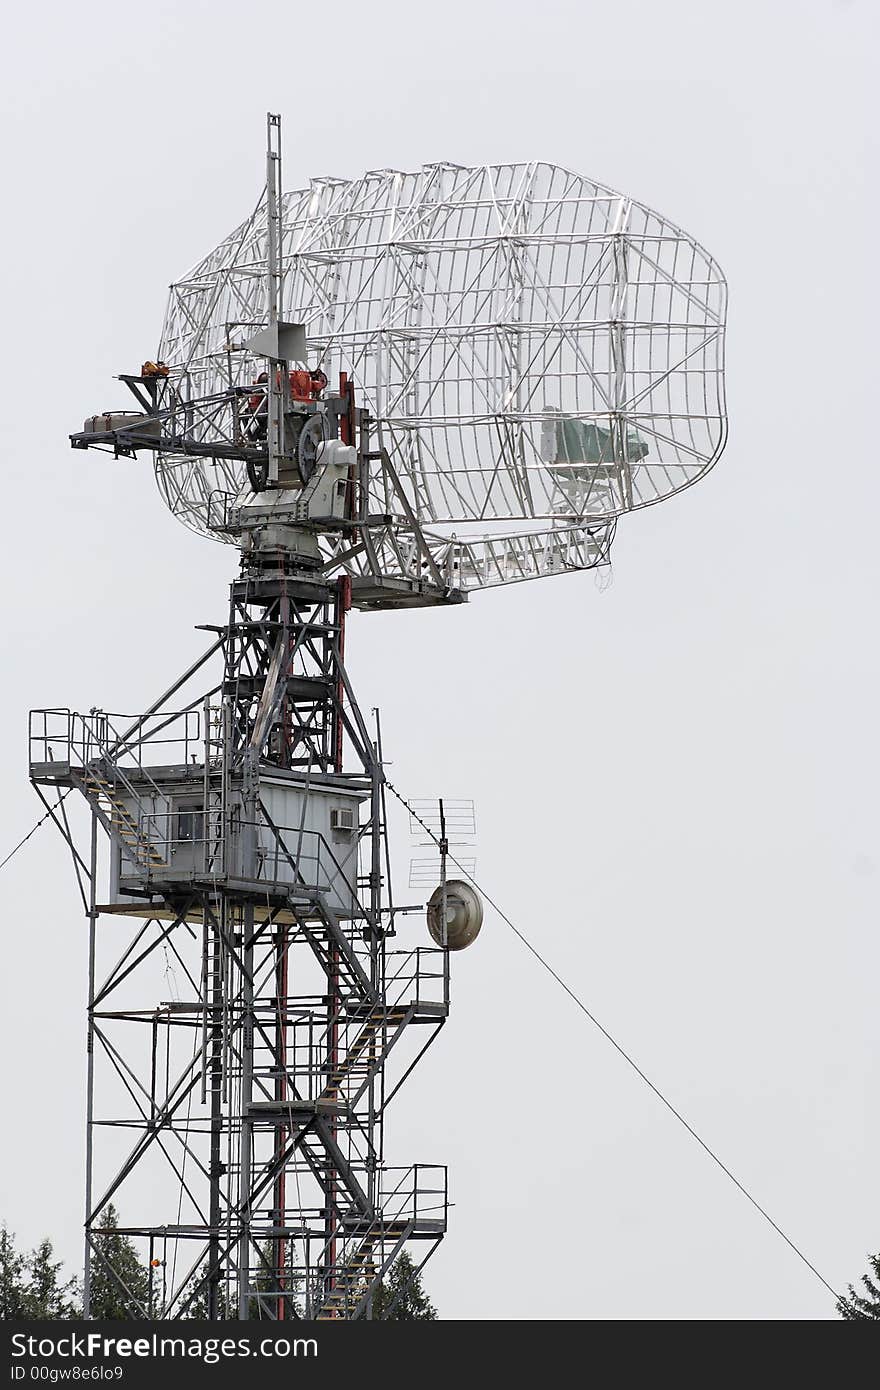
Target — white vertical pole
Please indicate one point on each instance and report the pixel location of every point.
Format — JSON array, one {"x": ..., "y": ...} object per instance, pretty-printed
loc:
[
  {"x": 274, "y": 394},
  {"x": 618, "y": 352},
  {"x": 90, "y": 1066}
]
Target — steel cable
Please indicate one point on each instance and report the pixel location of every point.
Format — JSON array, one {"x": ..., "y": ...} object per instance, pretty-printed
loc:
[
  {"x": 36, "y": 827},
  {"x": 623, "y": 1053}
]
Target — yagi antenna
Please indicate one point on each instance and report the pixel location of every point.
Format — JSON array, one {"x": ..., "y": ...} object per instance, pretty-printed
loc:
[
  {"x": 454, "y": 910},
  {"x": 437, "y": 826}
]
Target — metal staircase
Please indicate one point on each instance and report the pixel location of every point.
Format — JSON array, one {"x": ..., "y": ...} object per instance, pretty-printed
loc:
[
  {"x": 298, "y": 996},
  {"x": 368, "y": 1052},
  {"x": 409, "y": 1211},
  {"x": 360, "y": 1275},
  {"x": 119, "y": 821},
  {"x": 85, "y": 751}
]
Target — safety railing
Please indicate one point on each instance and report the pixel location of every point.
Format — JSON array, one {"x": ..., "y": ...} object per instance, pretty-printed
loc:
[
  {"x": 419, "y": 976},
  {"x": 412, "y": 1201},
  {"x": 131, "y": 742},
  {"x": 194, "y": 842},
  {"x": 337, "y": 1057},
  {"x": 415, "y": 1195},
  {"x": 108, "y": 752},
  {"x": 86, "y": 744},
  {"x": 285, "y": 847}
]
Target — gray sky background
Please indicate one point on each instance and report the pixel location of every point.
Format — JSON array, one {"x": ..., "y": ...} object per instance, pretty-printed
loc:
[{"x": 676, "y": 780}]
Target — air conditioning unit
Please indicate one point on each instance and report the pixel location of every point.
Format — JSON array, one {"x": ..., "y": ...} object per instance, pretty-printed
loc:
[{"x": 342, "y": 818}]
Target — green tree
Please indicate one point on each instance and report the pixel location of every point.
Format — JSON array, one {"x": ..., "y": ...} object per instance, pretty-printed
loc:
[
  {"x": 120, "y": 1285},
  {"x": 400, "y": 1297},
  {"x": 195, "y": 1296},
  {"x": 12, "y": 1278},
  {"x": 48, "y": 1296},
  {"x": 264, "y": 1306},
  {"x": 857, "y": 1308}
]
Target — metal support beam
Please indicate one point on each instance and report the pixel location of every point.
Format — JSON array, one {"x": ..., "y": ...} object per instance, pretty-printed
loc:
[{"x": 242, "y": 1032}]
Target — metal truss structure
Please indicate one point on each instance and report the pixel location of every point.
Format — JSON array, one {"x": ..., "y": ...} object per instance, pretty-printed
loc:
[
  {"x": 388, "y": 392},
  {"x": 538, "y": 355},
  {"x": 238, "y": 1122}
]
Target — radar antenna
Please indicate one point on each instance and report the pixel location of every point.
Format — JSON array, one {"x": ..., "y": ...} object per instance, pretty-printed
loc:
[{"x": 386, "y": 392}]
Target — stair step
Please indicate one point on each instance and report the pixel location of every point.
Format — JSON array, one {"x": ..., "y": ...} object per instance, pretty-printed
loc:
[{"x": 123, "y": 824}]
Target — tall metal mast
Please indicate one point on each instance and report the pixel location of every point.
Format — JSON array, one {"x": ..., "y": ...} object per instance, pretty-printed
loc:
[
  {"x": 274, "y": 385},
  {"x": 249, "y": 856},
  {"x": 534, "y": 355},
  {"x": 240, "y": 848}
]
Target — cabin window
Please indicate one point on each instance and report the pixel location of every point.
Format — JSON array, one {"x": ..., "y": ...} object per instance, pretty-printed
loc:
[{"x": 190, "y": 824}]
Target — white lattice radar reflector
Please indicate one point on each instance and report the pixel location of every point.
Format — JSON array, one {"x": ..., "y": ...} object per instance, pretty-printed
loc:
[{"x": 539, "y": 354}]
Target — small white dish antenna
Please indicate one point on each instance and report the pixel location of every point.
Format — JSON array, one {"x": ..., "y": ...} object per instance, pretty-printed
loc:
[{"x": 464, "y": 915}]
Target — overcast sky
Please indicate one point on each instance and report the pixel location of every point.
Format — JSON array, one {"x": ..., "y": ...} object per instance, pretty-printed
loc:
[{"x": 675, "y": 780}]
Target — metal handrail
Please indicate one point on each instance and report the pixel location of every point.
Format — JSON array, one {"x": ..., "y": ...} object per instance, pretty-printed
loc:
[
  {"x": 100, "y": 728},
  {"x": 406, "y": 1212},
  {"x": 405, "y": 997},
  {"x": 93, "y": 739}
]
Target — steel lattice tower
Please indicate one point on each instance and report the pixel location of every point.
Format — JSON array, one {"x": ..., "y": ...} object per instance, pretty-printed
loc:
[
  {"x": 535, "y": 356},
  {"x": 264, "y": 1090}
]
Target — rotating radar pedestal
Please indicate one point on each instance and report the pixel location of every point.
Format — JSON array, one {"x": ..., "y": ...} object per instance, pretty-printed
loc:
[{"x": 386, "y": 392}]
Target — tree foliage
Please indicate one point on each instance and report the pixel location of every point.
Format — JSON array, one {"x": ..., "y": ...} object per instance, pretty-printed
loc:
[
  {"x": 858, "y": 1308},
  {"x": 265, "y": 1304},
  {"x": 400, "y": 1296},
  {"x": 195, "y": 1299},
  {"x": 12, "y": 1278},
  {"x": 32, "y": 1286},
  {"x": 48, "y": 1295}
]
